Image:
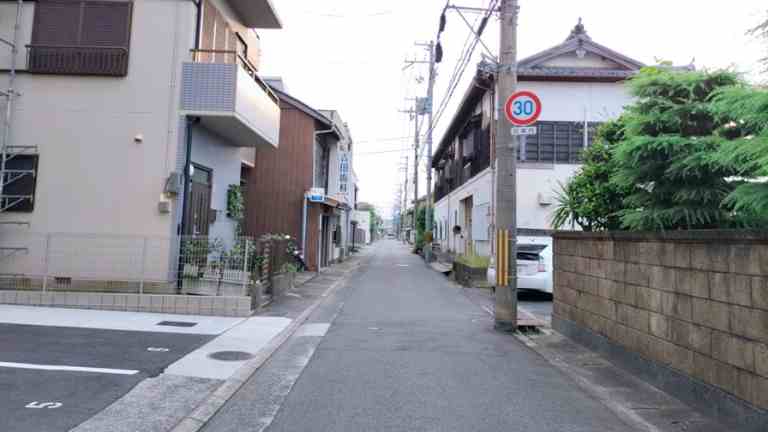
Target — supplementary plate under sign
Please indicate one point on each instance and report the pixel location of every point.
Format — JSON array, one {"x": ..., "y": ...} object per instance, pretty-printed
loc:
[{"x": 527, "y": 130}]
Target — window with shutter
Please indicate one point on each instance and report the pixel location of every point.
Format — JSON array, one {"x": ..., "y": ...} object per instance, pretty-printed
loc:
[{"x": 81, "y": 37}]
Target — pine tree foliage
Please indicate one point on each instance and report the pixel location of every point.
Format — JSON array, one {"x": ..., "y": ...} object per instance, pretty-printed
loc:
[
  {"x": 665, "y": 156},
  {"x": 746, "y": 149}
]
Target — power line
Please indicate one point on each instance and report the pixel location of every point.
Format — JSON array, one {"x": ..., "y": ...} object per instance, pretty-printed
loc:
[{"x": 461, "y": 65}]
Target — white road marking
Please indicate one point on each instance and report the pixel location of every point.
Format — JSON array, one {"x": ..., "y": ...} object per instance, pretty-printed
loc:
[
  {"x": 313, "y": 329},
  {"x": 402, "y": 265},
  {"x": 39, "y": 405},
  {"x": 68, "y": 368},
  {"x": 157, "y": 349}
]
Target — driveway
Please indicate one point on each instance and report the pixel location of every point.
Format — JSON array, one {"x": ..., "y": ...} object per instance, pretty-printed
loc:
[{"x": 53, "y": 378}]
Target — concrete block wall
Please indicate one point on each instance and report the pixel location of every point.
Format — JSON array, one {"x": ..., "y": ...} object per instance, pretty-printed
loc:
[
  {"x": 694, "y": 301},
  {"x": 174, "y": 304}
]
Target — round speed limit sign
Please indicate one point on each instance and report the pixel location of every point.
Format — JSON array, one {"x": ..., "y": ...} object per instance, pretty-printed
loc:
[{"x": 523, "y": 108}]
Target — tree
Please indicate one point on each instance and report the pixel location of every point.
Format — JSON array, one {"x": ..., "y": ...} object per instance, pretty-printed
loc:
[
  {"x": 590, "y": 199},
  {"x": 746, "y": 149},
  {"x": 665, "y": 158}
]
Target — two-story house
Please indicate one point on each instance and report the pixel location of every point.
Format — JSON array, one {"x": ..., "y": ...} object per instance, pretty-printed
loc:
[
  {"x": 342, "y": 184},
  {"x": 580, "y": 84},
  {"x": 130, "y": 121},
  {"x": 303, "y": 188}
]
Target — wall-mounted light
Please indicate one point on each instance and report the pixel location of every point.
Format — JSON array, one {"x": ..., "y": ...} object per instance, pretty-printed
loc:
[{"x": 138, "y": 139}]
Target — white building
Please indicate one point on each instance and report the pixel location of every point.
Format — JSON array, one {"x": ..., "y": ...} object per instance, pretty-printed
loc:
[
  {"x": 363, "y": 223},
  {"x": 125, "y": 112},
  {"x": 342, "y": 185},
  {"x": 580, "y": 84}
]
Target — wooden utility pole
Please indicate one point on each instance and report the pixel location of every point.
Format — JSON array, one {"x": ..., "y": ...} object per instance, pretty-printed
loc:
[{"x": 506, "y": 173}]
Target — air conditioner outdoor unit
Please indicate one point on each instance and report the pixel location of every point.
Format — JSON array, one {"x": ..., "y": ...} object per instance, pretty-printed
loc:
[{"x": 545, "y": 199}]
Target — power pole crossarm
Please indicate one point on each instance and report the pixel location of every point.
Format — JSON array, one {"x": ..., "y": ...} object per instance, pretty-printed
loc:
[{"x": 506, "y": 173}]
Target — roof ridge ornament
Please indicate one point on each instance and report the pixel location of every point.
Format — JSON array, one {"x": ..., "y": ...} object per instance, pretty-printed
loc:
[{"x": 579, "y": 32}]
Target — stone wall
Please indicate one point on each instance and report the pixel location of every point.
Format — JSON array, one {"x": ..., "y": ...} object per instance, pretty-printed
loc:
[{"x": 694, "y": 301}]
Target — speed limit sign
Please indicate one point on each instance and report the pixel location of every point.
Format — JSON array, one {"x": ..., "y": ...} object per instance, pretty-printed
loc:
[{"x": 523, "y": 108}]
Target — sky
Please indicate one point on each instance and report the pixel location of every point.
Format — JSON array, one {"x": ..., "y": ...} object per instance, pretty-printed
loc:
[{"x": 349, "y": 55}]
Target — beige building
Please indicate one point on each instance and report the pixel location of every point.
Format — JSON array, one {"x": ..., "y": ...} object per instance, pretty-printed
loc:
[{"x": 129, "y": 122}]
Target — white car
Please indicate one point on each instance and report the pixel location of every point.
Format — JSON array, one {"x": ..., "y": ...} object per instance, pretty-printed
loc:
[{"x": 534, "y": 264}]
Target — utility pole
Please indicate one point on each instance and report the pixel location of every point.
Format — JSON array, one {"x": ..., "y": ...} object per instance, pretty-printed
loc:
[
  {"x": 506, "y": 173},
  {"x": 405, "y": 200},
  {"x": 428, "y": 108},
  {"x": 415, "y": 168}
]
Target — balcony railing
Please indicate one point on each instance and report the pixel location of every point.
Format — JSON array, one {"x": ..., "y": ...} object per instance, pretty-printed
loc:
[
  {"x": 77, "y": 60},
  {"x": 230, "y": 57}
]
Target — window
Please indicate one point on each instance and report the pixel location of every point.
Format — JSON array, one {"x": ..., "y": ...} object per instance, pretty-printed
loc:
[
  {"x": 558, "y": 142},
  {"x": 81, "y": 37},
  {"x": 21, "y": 178}
]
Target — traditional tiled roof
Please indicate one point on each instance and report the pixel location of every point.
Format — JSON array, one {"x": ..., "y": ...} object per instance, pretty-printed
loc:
[{"x": 581, "y": 43}]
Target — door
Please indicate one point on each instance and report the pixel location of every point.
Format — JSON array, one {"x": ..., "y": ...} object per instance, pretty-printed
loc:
[
  {"x": 468, "y": 244},
  {"x": 324, "y": 243},
  {"x": 198, "y": 214}
]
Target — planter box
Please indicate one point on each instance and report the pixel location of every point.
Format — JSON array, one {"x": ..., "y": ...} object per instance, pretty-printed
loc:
[
  {"x": 281, "y": 283},
  {"x": 470, "y": 276}
]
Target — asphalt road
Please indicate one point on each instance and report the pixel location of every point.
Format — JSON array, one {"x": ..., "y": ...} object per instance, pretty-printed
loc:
[
  {"x": 33, "y": 400},
  {"x": 407, "y": 351}
]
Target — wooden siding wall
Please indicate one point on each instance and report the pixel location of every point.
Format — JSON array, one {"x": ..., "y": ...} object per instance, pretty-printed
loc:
[{"x": 280, "y": 176}]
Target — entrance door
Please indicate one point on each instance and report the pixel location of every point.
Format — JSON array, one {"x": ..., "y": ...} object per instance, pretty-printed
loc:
[
  {"x": 324, "y": 243},
  {"x": 198, "y": 214},
  {"x": 468, "y": 244}
]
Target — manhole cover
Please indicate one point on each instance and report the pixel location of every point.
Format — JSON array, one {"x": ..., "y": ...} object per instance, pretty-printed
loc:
[
  {"x": 230, "y": 355},
  {"x": 177, "y": 323}
]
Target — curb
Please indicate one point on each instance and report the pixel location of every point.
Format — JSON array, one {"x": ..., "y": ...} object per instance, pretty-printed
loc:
[{"x": 198, "y": 418}]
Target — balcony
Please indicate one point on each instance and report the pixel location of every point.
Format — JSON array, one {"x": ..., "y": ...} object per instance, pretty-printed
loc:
[
  {"x": 223, "y": 89},
  {"x": 77, "y": 60}
]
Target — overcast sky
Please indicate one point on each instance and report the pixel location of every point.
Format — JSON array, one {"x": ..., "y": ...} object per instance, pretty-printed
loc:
[{"x": 348, "y": 55}]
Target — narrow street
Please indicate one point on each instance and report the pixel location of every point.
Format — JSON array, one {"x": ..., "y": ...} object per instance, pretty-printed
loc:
[{"x": 400, "y": 348}]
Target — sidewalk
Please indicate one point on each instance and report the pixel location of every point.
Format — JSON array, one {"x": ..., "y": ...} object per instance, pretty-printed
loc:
[
  {"x": 196, "y": 382},
  {"x": 638, "y": 403}
]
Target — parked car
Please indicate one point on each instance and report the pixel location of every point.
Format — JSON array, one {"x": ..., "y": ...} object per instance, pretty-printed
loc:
[{"x": 534, "y": 264}]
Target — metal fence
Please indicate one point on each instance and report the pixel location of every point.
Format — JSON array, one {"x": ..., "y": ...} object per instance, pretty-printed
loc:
[{"x": 141, "y": 265}]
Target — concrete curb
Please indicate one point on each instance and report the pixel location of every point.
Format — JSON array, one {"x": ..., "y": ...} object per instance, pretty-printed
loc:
[{"x": 197, "y": 419}]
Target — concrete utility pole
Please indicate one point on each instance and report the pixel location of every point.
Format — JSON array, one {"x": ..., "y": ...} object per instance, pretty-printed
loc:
[
  {"x": 506, "y": 173},
  {"x": 415, "y": 167},
  {"x": 430, "y": 92},
  {"x": 405, "y": 200}
]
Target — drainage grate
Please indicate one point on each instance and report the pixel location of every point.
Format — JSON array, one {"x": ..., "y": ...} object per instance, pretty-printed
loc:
[
  {"x": 177, "y": 323},
  {"x": 231, "y": 355}
]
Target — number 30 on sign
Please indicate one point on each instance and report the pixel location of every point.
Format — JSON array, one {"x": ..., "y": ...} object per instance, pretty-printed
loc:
[{"x": 523, "y": 108}]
